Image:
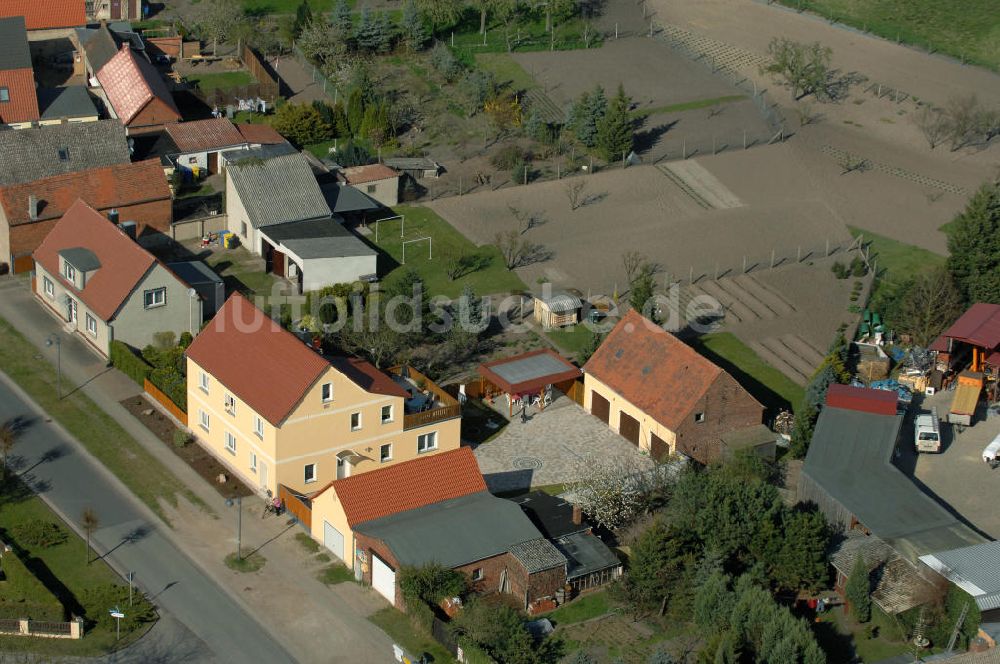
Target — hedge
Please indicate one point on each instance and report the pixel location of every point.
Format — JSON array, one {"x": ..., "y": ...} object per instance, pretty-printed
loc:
[
  {"x": 22, "y": 595},
  {"x": 169, "y": 381},
  {"x": 125, "y": 360}
]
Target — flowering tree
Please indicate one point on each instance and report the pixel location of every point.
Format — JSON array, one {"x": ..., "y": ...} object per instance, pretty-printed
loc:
[{"x": 611, "y": 490}]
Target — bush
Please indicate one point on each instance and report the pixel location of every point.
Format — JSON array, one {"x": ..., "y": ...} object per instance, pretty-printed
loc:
[
  {"x": 445, "y": 62},
  {"x": 125, "y": 360},
  {"x": 431, "y": 583},
  {"x": 38, "y": 534},
  {"x": 301, "y": 124},
  {"x": 508, "y": 157},
  {"x": 421, "y": 616},
  {"x": 97, "y": 601},
  {"x": 185, "y": 340},
  {"x": 172, "y": 383},
  {"x": 839, "y": 270},
  {"x": 181, "y": 438}
]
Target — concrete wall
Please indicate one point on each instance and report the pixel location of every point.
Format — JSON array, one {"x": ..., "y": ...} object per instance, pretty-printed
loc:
[
  {"x": 322, "y": 272},
  {"x": 385, "y": 192},
  {"x": 190, "y": 159},
  {"x": 195, "y": 229},
  {"x": 619, "y": 405},
  {"x": 237, "y": 217},
  {"x": 314, "y": 433},
  {"x": 136, "y": 325}
]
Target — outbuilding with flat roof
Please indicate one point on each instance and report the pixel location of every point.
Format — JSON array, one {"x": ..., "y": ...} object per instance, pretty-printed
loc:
[{"x": 528, "y": 378}]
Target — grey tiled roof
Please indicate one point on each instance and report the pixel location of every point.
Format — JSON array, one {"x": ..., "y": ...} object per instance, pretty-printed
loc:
[
  {"x": 14, "y": 53},
  {"x": 278, "y": 190},
  {"x": 32, "y": 154},
  {"x": 538, "y": 555}
]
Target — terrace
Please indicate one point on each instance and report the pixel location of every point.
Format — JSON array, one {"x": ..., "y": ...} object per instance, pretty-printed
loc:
[{"x": 427, "y": 402}]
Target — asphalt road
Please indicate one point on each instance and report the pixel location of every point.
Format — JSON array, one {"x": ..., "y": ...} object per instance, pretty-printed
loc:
[{"x": 202, "y": 622}]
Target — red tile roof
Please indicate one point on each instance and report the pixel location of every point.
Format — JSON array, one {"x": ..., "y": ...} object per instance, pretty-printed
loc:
[
  {"x": 260, "y": 133},
  {"x": 652, "y": 369},
  {"x": 123, "y": 262},
  {"x": 979, "y": 326},
  {"x": 861, "y": 399},
  {"x": 370, "y": 173},
  {"x": 130, "y": 83},
  {"x": 115, "y": 186},
  {"x": 46, "y": 14},
  {"x": 23, "y": 104},
  {"x": 408, "y": 485},
  {"x": 367, "y": 377},
  {"x": 205, "y": 135},
  {"x": 259, "y": 361}
]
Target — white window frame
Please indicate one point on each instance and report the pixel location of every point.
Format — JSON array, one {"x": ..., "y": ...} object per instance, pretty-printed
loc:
[
  {"x": 326, "y": 392},
  {"x": 385, "y": 458},
  {"x": 253, "y": 462},
  {"x": 204, "y": 420},
  {"x": 229, "y": 402},
  {"x": 392, "y": 413},
  {"x": 305, "y": 473},
  {"x": 149, "y": 298},
  {"x": 48, "y": 288},
  {"x": 91, "y": 325},
  {"x": 203, "y": 382},
  {"x": 69, "y": 272},
  {"x": 356, "y": 427},
  {"x": 258, "y": 426},
  {"x": 231, "y": 443},
  {"x": 477, "y": 574},
  {"x": 423, "y": 438}
]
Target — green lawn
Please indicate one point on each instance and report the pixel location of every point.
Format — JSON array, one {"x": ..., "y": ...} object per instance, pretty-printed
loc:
[
  {"x": 840, "y": 637},
  {"x": 571, "y": 339},
  {"x": 469, "y": 42},
  {"x": 242, "y": 271},
  {"x": 226, "y": 80},
  {"x": 62, "y": 568},
  {"x": 320, "y": 150},
  {"x": 768, "y": 385},
  {"x": 336, "y": 573},
  {"x": 581, "y": 609},
  {"x": 687, "y": 106},
  {"x": 146, "y": 477},
  {"x": 895, "y": 261},
  {"x": 493, "y": 277},
  {"x": 198, "y": 190},
  {"x": 397, "y": 625},
  {"x": 969, "y": 29},
  {"x": 507, "y": 70}
]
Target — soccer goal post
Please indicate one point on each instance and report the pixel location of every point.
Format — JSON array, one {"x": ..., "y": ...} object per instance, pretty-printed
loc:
[
  {"x": 402, "y": 225},
  {"x": 430, "y": 247}
]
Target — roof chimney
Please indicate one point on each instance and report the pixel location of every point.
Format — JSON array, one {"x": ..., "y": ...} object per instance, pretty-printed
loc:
[
  {"x": 577, "y": 515},
  {"x": 32, "y": 207},
  {"x": 113, "y": 216}
]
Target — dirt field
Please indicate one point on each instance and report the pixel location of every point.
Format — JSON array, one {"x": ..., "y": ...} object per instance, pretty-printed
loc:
[{"x": 641, "y": 208}]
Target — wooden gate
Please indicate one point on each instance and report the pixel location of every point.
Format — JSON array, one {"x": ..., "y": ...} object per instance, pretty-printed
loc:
[
  {"x": 628, "y": 428},
  {"x": 600, "y": 407},
  {"x": 658, "y": 447}
]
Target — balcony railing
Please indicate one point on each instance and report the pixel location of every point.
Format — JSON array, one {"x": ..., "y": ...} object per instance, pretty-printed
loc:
[{"x": 446, "y": 406}]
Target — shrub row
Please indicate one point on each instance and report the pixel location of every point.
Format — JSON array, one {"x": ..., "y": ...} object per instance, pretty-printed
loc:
[{"x": 125, "y": 360}]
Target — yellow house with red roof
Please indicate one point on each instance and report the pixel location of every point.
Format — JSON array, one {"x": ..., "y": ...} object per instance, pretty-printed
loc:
[{"x": 276, "y": 412}]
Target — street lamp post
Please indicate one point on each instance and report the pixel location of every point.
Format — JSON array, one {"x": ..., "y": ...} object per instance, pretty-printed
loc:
[
  {"x": 239, "y": 524},
  {"x": 54, "y": 340}
]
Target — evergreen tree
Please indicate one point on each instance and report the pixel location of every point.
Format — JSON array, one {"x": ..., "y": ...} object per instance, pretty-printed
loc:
[
  {"x": 974, "y": 244},
  {"x": 616, "y": 130},
  {"x": 534, "y": 127},
  {"x": 341, "y": 128},
  {"x": 713, "y": 603},
  {"x": 355, "y": 111},
  {"x": 342, "y": 19},
  {"x": 587, "y": 113},
  {"x": 384, "y": 33},
  {"x": 301, "y": 124},
  {"x": 858, "y": 591},
  {"x": 366, "y": 34},
  {"x": 414, "y": 31},
  {"x": 801, "y": 562},
  {"x": 303, "y": 15}
]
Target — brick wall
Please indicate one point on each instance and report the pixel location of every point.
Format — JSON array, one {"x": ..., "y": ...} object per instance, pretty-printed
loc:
[
  {"x": 538, "y": 586},
  {"x": 151, "y": 118},
  {"x": 727, "y": 407},
  {"x": 153, "y": 220}
]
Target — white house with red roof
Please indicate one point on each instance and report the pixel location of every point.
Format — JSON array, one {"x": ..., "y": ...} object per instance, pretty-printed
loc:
[
  {"x": 282, "y": 416},
  {"x": 91, "y": 274}
]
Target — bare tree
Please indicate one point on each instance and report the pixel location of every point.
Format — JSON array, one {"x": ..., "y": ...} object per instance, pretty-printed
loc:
[
  {"x": 805, "y": 67},
  {"x": 929, "y": 304},
  {"x": 962, "y": 113},
  {"x": 512, "y": 247},
  {"x": 8, "y": 439},
  {"x": 933, "y": 123},
  {"x": 632, "y": 261},
  {"x": 526, "y": 220},
  {"x": 576, "y": 192},
  {"x": 90, "y": 522},
  {"x": 219, "y": 19}
]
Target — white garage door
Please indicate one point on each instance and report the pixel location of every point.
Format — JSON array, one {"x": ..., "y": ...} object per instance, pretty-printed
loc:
[
  {"x": 333, "y": 539},
  {"x": 383, "y": 579}
]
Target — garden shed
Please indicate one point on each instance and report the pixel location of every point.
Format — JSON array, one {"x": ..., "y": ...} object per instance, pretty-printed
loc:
[{"x": 557, "y": 309}]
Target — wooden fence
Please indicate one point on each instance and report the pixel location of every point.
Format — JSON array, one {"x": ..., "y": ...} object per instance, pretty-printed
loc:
[
  {"x": 269, "y": 85},
  {"x": 297, "y": 505},
  {"x": 164, "y": 401}
]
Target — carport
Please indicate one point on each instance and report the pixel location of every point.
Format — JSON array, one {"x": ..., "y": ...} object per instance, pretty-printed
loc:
[{"x": 527, "y": 376}]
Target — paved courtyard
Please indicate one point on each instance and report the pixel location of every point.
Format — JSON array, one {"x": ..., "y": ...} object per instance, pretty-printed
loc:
[
  {"x": 958, "y": 476},
  {"x": 547, "y": 448}
]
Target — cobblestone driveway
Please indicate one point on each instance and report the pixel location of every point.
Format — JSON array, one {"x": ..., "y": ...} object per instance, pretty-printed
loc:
[{"x": 545, "y": 450}]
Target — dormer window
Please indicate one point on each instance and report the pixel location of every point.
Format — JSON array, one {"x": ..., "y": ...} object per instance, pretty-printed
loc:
[
  {"x": 63, "y": 154},
  {"x": 4, "y": 95},
  {"x": 69, "y": 272}
]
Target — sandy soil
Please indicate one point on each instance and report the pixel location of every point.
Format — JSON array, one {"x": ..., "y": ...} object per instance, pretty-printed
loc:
[{"x": 640, "y": 208}]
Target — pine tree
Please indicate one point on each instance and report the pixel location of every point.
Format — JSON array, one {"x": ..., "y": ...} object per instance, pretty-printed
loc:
[
  {"x": 366, "y": 34},
  {"x": 534, "y": 127},
  {"x": 858, "y": 591},
  {"x": 384, "y": 33},
  {"x": 974, "y": 244},
  {"x": 588, "y": 112},
  {"x": 341, "y": 128},
  {"x": 414, "y": 31},
  {"x": 355, "y": 111},
  {"x": 342, "y": 19},
  {"x": 303, "y": 15},
  {"x": 616, "y": 130}
]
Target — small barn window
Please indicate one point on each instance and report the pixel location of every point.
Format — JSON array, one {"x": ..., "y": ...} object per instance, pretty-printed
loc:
[
  {"x": 63, "y": 154},
  {"x": 699, "y": 417},
  {"x": 4, "y": 95},
  {"x": 477, "y": 574}
]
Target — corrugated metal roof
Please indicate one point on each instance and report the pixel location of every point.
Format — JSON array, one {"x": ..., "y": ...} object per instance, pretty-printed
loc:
[
  {"x": 975, "y": 569},
  {"x": 559, "y": 301},
  {"x": 980, "y": 325},
  {"x": 277, "y": 190},
  {"x": 863, "y": 399}
]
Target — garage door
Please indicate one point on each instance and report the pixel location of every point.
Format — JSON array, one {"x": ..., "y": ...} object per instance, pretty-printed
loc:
[
  {"x": 658, "y": 447},
  {"x": 333, "y": 539},
  {"x": 600, "y": 407},
  {"x": 628, "y": 427},
  {"x": 383, "y": 579}
]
